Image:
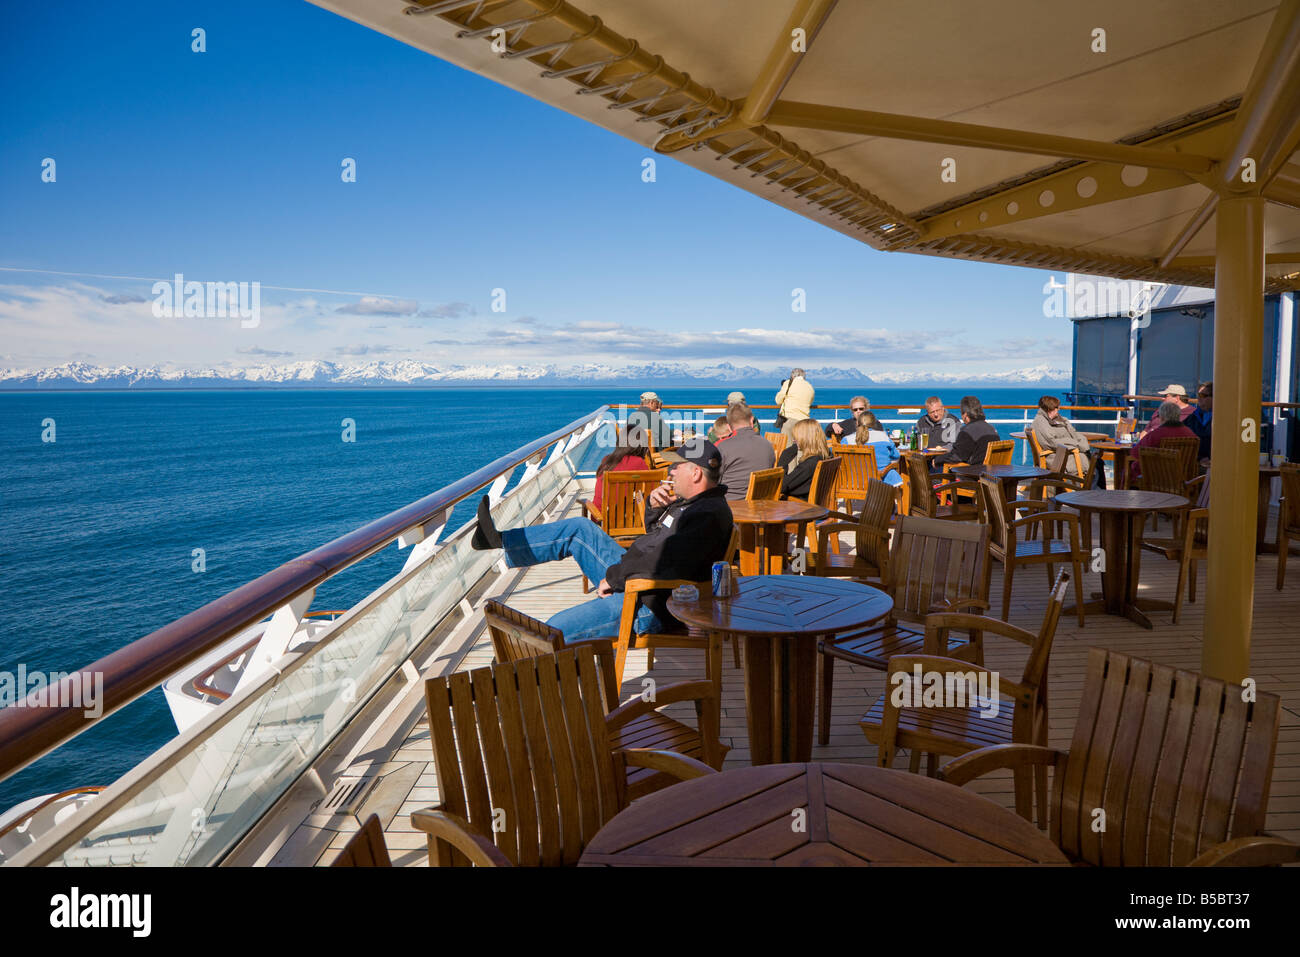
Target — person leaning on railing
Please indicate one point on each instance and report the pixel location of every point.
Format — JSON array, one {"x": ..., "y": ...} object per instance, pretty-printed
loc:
[
  {"x": 807, "y": 447},
  {"x": 1057, "y": 434},
  {"x": 688, "y": 528}
]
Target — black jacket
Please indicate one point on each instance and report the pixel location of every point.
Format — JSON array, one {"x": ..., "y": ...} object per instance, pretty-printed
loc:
[
  {"x": 682, "y": 540},
  {"x": 798, "y": 480},
  {"x": 971, "y": 445},
  {"x": 849, "y": 425}
]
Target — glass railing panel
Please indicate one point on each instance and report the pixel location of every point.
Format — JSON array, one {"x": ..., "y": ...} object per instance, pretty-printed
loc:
[{"x": 221, "y": 779}]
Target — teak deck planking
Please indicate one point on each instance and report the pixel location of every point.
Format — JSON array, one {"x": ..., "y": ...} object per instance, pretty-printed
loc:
[{"x": 1275, "y": 652}]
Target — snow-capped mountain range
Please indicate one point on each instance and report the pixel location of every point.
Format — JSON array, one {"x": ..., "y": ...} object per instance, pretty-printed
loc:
[{"x": 412, "y": 373}]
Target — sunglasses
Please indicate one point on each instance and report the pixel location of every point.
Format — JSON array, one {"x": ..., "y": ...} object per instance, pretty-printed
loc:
[{"x": 858, "y": 409}]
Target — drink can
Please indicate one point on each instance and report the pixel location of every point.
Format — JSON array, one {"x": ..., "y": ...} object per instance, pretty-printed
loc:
[{"x": 721, "y": 579}]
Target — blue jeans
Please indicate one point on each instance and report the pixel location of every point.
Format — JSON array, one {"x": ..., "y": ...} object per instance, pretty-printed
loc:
[{"x": 594, "y": 551}]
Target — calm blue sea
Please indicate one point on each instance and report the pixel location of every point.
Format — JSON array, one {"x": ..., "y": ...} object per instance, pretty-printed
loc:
[{"x": 97, "y": 528}]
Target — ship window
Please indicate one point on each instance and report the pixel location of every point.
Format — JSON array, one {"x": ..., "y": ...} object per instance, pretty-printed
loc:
[{"x": 1100, "y": 359}]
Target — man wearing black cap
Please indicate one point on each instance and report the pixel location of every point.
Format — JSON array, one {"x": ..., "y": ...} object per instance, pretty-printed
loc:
[{"x": 688, "y": 527}]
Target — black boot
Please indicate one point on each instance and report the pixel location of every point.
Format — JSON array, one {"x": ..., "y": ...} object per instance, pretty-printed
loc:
[{"x": 486, "y": 536}]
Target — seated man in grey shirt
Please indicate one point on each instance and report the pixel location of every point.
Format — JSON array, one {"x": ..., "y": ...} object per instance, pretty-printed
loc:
[
  {"x": 938, "y": 424},
  {"x": 743, "y": 452}
]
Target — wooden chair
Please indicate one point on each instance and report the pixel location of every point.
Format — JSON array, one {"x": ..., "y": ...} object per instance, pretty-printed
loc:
[
  {"x": 1006, "y": 547},
  {"x": 516, "y": 636},
  {"x": 732, "y": 558},
  {"x": 1178, "y": 764},
  {"x": 1191, "y": 545},
  {"x": 1163, "y": 470},
  {"x": 1065, "y": 482},
  {"x": 957, "y": 728},
  {"x": 628, "y": 639},
  {"x": 933, "y": 566},
  {"x": 821, "y": 492},
  {"x": 621, "y": 515},
  {"x": 527, "y": 769},
  {"x": 999, "y": 452},
  {"x": 765, "y": 485},
  {"x": 924, "y": 494},
  {"x": 778, "y": 440},
  {"x": 366, "y": 848},
  {"x": 1288, "y": 517},
  {"x": 871, "y": 538},
  {"x": 1189, "y": 447},
  {"x": 1042, "y": 459},
  {"x": 857, "y": 467}
]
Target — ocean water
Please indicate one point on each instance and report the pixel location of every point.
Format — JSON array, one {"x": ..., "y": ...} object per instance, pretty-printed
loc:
[{"x": 98, "y": 528}]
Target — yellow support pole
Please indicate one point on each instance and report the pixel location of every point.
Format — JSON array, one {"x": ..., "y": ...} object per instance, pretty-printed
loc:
[{"x": 1238, "y": 381}]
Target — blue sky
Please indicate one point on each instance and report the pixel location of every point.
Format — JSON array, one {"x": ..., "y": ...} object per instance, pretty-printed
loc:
[{"x": 225, "y": 166}]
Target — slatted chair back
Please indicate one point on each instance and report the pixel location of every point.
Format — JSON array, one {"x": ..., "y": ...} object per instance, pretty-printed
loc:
[
  {"x": 1189, "y": 447},
  {"x": 822, "y": 490},
  {"x": 993, "y": 508},
  {"x": 765, "y": 485},
  {"x": 924, "y": 501},
  {"x": 366, "y": 848},
  {"x": 857, "y": 467},
  {"x": 516, "y": 636},
  {"x": 1176, "y": 761},
  {"x": 1162, "y": 470},
  {"x": 778, "y": 440},
  {"x": 936, "y": 565},
  {"x": 871, "y": 539},
  {"x": 1035, "y": 449},
  {"x": 522, "y": 752},
  {"x": 1289, "y": 514},
  {"x": 622, "y": 516},
  {"x": 999, "y": 451}
]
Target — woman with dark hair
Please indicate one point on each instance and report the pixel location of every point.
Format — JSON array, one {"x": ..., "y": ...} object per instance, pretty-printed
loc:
[
  {"x": 973, "y": 439},
  {"x": 624, "y": 458}
]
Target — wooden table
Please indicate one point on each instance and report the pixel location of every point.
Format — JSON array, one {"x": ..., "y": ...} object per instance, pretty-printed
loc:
[
  {"x": 1123, "y": 513},
  {"x": 809, "y": 815},
  {"x": 781, "y": 617},
  {"x": 1118, "y": 452},
  {"x": 1011, "y": 475},
  {"x": 763, "y": 535}
]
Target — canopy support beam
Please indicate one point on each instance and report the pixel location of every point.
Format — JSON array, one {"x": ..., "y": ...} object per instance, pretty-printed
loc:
[
  {"x": 783, "y": 59},
  {"x": 1238, "y": 378}
]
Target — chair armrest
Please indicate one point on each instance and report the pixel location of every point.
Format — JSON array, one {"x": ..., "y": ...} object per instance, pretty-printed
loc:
[
  {"x": 636, "y": 706},
  {"x": 460, "y": 834},
  {"x": 1052, "y": 515},
  {"x": 944, "y": 621},
  {"x": 670, "y": 762},
  {"x": 832, "y": 513},
  {"x": 595, "y": 514},
  {"x": 974, "y": 764},
  {"x": 944, "y": 605},
  {"x": 1262, "y": 850}
]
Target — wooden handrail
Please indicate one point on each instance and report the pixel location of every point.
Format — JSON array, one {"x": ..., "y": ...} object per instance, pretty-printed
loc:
[
  {"x": 916, "y": 405},
  {"x": 27, "y": 733}
]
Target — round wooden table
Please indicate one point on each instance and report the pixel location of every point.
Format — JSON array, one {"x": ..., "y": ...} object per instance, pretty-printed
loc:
[
  {"x": 1118, "y": 453},
  {"x": 1123, "y": 513},
  {"x": 809, "y": 815},
  {"x": 763, "y": 535},
  {"x": 1011, "y": 475},
  {"x": 781, "y": 618}
]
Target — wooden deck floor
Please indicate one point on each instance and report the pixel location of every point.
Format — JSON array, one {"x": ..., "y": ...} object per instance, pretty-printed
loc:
[{"x": 1275, "y": 655}]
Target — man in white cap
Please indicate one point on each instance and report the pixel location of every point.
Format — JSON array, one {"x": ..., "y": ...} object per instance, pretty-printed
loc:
[
  {"x": 1178, "y": 395},
  {"x": 648, "y": 423},
  {"x": 735, "y": 398}
]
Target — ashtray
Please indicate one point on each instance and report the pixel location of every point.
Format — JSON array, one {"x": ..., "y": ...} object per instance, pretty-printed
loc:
[{"x": 686, "y": 593}]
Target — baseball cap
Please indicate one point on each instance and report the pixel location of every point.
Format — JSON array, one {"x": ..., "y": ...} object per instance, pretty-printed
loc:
[
  {"x": 697, "y": 451},
  {"x": 649, "y": 397},
  {"x": 735, "y": 398},
  {"x": 1175, "y": 390}
]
